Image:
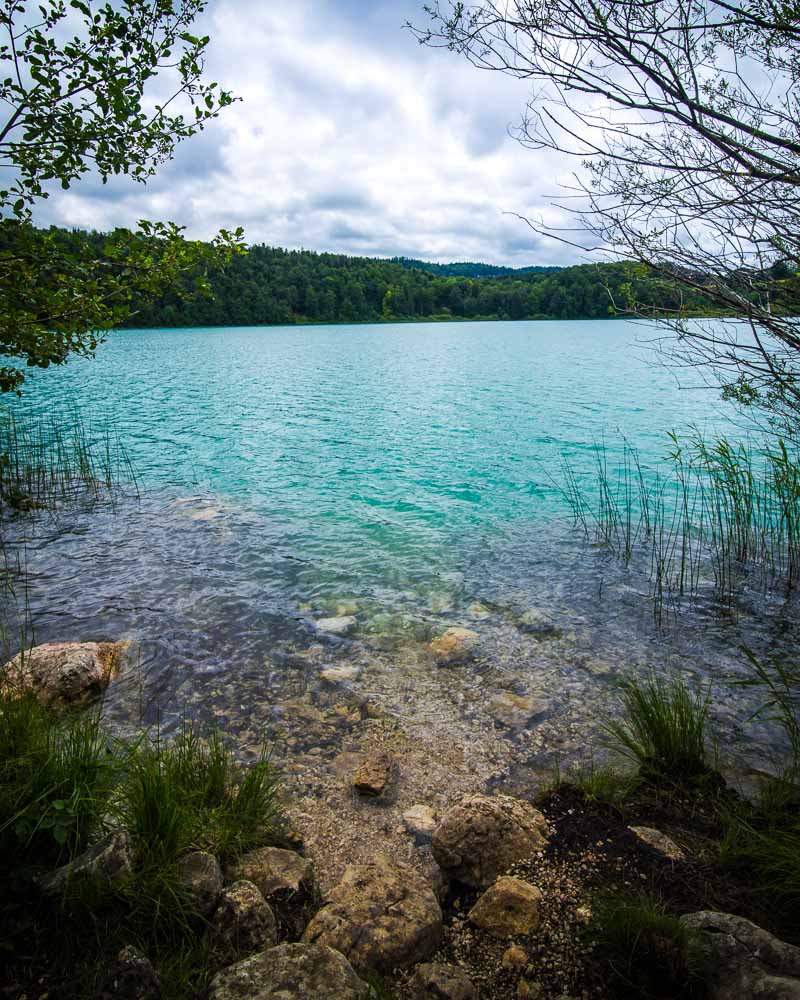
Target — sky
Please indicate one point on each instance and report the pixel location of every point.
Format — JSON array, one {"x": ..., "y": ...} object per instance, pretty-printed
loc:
[{"x": 349, "y": 137}]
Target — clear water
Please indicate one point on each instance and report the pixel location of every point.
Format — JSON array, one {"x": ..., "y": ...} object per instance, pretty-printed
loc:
[{"x": 401, "y": 470}]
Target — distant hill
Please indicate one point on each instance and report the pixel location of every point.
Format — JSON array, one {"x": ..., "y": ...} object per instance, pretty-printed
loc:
[{"x": 470, "y": 269}]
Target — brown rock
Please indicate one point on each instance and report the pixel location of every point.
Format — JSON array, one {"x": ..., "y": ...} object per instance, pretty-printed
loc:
[
  {"x": 381, "y": 916},
  {"x": 659, "y": 842},
  {"x": 67, "y": 672},
  {"x": 481, "y": 837},
  {"x": 275, "y": 871},
  {"x": 131, "y": 977},
  {"x": 200, "y": 874},
  {"x": 507, "y": 908},
  {"x": 745, "y": 961},
  {"x": 455, "y": 645},
  {"x": 290, "y": 972},
  {"x": 435, "y": 981},
  {"x": 516, "y": 710},
  {"x": 243, "y": 924},
  {"x": 373, "y": 774},
  {"x": 421, "y": 821},
  {"x": 514, "y": 958}
]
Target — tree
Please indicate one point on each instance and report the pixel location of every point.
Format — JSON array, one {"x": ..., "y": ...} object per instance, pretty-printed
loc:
[
  {"x": 686, "y": 117},
  {"x": 78, "y": 86}
]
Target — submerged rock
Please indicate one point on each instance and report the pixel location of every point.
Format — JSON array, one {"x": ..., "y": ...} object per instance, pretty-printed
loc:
[
  {"x": 200, "y": 874},
  {"x": 539, "y": 625},
  {"x": 243, "y": 924},
  {"x": 131, "y": 977},
  {"x": 109, "y": 860},
  {"x": 339, "y": 625},
  {"x": 436, "y": 981},
  {"x": 659, "y": 842},
  {"x": 290, "y": 972},
  {"x": 340, "y": 674},
  {"x": 421, "y": 821},
  {"x": 381, "y": 916},
  {"x": 516, "y": 710},
  {"x": 373, "y": 774},
  {"x": 455, "y": 645},
  {"x": 745, "y": 961},
  {"x": 481, "y": 837},
  {"x": 67, "y": 672},
  {"x": 507, "y": 908}
]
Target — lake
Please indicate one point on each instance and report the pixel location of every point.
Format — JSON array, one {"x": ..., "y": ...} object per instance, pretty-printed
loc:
[{"x": 404, "y": 474}]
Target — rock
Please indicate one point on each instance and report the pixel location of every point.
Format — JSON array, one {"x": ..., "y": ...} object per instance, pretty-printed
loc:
[
  {"x": 538, "y": 624},
  {"x": 507, "y": 908},
  {"x": 67, "y": 672},
  {"x": 131, "y": 977},
  {"x": 745, "y": 960},
  {"x": 339, "y": 675},
  {"x": 435, "y": 981},
  {"x": 345, "y": 609},
  {"x": 200, "y": 873},
  {"x": 421, "y": 821},
  {"x": 290, "y": 972},
  {"x": 527, "y": 990},
  {"x": 274, "y": 871},
  {"x": 455, "y": 645},
  {"x": 373, "y": 774},
  {"x": 659, "y": 842},
  {"x": 514, "y": 959},
  {"x": 381, "y": 916},
  {"x": 109, "y": 860},
  {"x": 340, "y": 625},
  {"x": 516, "y": 710},
  {"x": 243, "y": 924},
  {"x": 481, "y": 837}
]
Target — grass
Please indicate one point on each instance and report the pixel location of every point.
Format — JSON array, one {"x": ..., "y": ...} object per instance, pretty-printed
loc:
[
  {"x": 598, "y": 782},
  {"x": 47, "y": 460},
  {"x": 663, "y": 729},
  {"x": 648, "y": 953}
]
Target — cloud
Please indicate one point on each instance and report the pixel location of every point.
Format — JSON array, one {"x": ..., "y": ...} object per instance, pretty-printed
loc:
[{"x": 350, "y": 137}]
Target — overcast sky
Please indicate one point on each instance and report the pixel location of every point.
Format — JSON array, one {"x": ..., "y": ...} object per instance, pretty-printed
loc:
[{"x": 350, "y": 137}]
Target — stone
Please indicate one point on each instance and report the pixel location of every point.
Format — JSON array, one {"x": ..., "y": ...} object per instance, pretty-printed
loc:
[
  {"x": 200, "y": 874},
  {"x": 507, "y": 908},
  {"x": 514, "y": 958},
  {"x": 480, "y": 837},
  {"x": 539, "y": 625},
  {"x": 745, "y": 961},
  {"x": 131, "y": 977},
  {"x": 436, "y": 981},
  {"x": 290, "y": 972},
  {"x": 68, "y": 672},
  {"x": 516, "y": 710},
  {"x": 243, "y": 923},
  {"x": 421, "y": 821},
  {"x": 109, "y": 860},
  {"x": 455, "y": 645},
  {"x": 339, "y": 675},
  {"x": 383, "y": 915},
  {"x": 373, "y": 774},
  {"x": 275, "y": 871},
  {"x": 340, "y": 625},
  {"x": 527, "y": 990},
  {"x": 659, "y": 842},
  {"x": 345, "y": 609}
]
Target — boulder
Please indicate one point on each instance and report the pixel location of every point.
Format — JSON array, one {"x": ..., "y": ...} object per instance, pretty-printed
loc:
[
  {"x": 516, "y": 710},
  {"x": 284, "y": 878},
  {"x": 109, "y": 860},
  {"x": 507, "y": 908},
  {"x": 243, "y": 923},
  {"x": 67, "y": 672},
  {"x": 435, "y": 981},
  {"x": 131, "y": 977},
  {"x": 455, "y": 645},
  {"x": 481, "y": 837},
  {"x": 373, "y": 774},
  {"x": 381, "y": 916},
  {"x": 290, "y": 972},
  {"x": 421, "y": 821},
  {"x": 658, "y": 841},
  {"x": 340, "y": 625},
  {"x": 200, "y": 874},
  {"x": 744, "y": 960}
]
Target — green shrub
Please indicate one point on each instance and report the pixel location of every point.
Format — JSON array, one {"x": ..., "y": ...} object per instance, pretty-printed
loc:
[
  {"x": 663, "y": 729},
  {"x": 601, "y": 782},
  {"x": 647, "y": 952}
]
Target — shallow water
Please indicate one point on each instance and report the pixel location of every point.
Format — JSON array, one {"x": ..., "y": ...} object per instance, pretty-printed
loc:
[{"x": 401, "y": 473}]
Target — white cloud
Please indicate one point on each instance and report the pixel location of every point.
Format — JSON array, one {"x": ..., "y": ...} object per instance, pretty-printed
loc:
[{"x": 350, "y": 137}]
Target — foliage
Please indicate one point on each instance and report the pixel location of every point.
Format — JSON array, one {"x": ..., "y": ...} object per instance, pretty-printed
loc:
[
  {"x": 663, "y": 728},
  {"x": 780, "y": 681},
  {"x": 685, "y": 119},
  {"x": 85, "y": 101},
  {"x": 470, "y": 269},
  {"x": 603, "y": 783},
  {"x": 648, "y": 952}
]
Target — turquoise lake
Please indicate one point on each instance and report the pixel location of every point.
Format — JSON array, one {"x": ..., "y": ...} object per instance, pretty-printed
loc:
[{"x": 403, "y": 473}]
